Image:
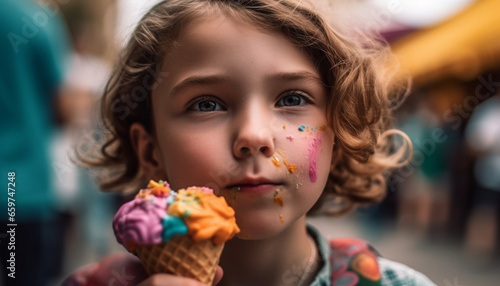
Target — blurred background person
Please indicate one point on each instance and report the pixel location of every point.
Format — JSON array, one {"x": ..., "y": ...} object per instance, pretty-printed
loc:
[
  {"x": 87, "y": 209},
  {"x": 482, "y": 135},
  {"x": 423, "y": 197},
  {"x": 33, "y": 56}
]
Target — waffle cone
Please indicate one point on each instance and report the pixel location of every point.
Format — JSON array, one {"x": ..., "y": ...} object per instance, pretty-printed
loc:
[{"x": 182, "y": 256}]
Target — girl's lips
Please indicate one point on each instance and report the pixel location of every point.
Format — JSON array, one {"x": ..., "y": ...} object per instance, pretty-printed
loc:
[{"x": 257, "y": 188}]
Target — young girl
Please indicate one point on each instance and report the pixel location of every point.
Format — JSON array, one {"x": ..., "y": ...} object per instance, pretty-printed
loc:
[{"x": 264, "y": 102}]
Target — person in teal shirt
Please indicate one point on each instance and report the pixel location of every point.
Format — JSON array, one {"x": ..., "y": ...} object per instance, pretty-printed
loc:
[{"x": 33, "y": 53}]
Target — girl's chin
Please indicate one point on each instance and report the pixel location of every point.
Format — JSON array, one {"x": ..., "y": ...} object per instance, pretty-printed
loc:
[
  {"x": 261, "y": 226},
  {"x": 258, "y": 233}
]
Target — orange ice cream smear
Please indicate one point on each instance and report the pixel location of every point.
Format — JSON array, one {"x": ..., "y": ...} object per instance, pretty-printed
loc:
[
  {"x": 206, "y": 215},
  {"x": 278, "y": 199},
  {"x": 290, "y": 167}
]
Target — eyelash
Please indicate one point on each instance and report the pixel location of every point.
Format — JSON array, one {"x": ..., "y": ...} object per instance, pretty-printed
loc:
[
  {"x": 192, "y": 105},
  {"x": 301, "y": 94}
]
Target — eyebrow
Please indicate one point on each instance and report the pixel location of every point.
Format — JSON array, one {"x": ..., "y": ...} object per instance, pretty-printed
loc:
[
  {"x": 296, "y": 76},
  {"x": 198, "y": 80},
  {"x": 201, "y": 80}
]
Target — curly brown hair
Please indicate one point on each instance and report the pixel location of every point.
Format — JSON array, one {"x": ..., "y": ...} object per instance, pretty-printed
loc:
[{"x": 359, "y": 105}]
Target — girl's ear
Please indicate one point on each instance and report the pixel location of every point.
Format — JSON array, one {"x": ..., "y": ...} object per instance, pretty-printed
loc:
[{"x": 147, "y": 152}]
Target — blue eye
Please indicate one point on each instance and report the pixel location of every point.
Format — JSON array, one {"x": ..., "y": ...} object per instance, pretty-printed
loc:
[
  {"x": 294, "y": 98},
  {"x": 206, "y": 105}
]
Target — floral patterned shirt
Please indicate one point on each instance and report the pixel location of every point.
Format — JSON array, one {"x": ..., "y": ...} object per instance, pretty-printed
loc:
[{"x": 350, "y": 262}]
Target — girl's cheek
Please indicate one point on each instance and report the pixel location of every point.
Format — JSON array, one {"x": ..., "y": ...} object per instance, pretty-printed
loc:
[
  {"x": 309, "y": 142},
  {"x": 313, "y": 137}
]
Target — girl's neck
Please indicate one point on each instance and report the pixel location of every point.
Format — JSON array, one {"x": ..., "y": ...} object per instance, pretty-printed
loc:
[{"x": 284, "y": 259}]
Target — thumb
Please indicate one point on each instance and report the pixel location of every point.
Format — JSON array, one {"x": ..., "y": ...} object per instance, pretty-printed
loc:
[{"x": 218, "y": 275}]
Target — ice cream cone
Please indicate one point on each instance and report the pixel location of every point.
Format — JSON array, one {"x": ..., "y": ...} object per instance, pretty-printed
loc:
[
  {"x": 182, "y": 256},
  {"x": 181, "y": 233}
]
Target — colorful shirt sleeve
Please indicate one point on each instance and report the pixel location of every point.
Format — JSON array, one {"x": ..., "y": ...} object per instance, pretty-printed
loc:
[
  {"x": 356, "y": 263},
  {"x": 397, "y": 274}
]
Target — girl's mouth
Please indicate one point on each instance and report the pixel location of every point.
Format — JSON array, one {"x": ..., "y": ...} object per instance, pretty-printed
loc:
[
  {"x": 260, "y": 188},
  {"x": 255, "y": 185}
]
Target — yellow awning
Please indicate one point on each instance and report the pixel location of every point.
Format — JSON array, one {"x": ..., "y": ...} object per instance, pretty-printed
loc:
[{"x": 461, "y": 47}]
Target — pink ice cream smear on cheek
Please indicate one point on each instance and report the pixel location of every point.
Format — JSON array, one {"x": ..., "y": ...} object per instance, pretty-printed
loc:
[{"x": 313, "y": 157}]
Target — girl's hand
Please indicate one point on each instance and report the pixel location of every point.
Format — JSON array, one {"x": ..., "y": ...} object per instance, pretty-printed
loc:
[{"x": 171, "y": 280}]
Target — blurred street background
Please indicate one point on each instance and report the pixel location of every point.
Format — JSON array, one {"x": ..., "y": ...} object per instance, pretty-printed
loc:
[{"x": 442, "y": 212}]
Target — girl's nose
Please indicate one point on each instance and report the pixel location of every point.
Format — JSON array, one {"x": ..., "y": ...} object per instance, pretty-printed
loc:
[{"x": 254, "y": 136}]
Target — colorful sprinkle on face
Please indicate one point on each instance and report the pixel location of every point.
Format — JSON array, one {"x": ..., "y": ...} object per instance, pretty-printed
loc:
[
  {"x": 276, "y": 161},
  {"x": 284, "y": 126},
  {"x": 281, "y": 219},
  {"x": 304, "y": 128},
  {"x": 290, "y": 137}
]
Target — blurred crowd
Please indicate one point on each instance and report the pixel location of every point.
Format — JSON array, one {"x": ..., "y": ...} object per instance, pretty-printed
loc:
[{"x": 55, "y": 62}]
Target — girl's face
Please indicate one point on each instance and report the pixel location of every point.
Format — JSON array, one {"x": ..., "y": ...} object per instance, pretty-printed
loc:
[{"x": 242, "y": 110}]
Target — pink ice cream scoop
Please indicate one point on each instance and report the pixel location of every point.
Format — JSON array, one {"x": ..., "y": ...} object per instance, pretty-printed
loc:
[{"x": 139, "y": 222}]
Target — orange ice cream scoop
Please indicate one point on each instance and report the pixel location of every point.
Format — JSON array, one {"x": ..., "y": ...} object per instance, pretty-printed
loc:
[{"x": 206, "y": 215}]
